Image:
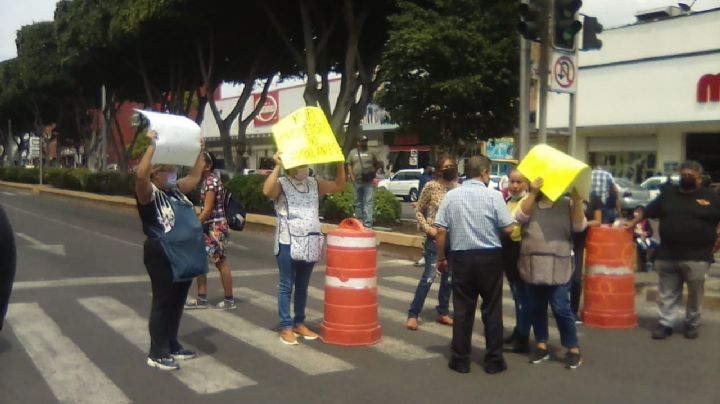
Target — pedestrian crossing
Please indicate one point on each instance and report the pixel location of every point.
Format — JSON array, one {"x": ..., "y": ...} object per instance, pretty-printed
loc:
[{"x": 68, "y": 369}]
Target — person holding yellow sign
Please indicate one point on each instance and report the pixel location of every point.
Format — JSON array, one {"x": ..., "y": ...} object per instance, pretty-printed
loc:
[{"x": 298, "y": 239}]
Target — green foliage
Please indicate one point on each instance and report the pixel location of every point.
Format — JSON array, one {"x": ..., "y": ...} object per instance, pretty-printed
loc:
[
  {"x": 450, "y": 69},
  {"x": 110, "y": 182},
  {"x": 339, "y": 206},
  {"x": 248, "y": 190}
]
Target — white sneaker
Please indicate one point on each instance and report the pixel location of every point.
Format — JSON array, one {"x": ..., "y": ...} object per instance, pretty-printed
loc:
[
  {"x": 420, "y": 262},
  {"x": 227, "y": 305}
]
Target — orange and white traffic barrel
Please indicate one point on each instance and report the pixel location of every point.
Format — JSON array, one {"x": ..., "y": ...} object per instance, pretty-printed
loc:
[
  {"x": 609, "y": 289},
  {"x": 351, "y": 311}
]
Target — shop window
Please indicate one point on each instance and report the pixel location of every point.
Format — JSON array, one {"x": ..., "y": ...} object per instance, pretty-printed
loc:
[{"x": 634, "y": 166}]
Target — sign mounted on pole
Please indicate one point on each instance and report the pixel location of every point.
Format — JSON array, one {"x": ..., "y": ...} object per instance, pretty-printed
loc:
[
  {"x": 34, "y": 148},
  {"x": 563, "y": 72}
]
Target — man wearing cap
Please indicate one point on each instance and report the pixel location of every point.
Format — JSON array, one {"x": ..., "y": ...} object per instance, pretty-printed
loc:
[{"x": 362, "y": 165}]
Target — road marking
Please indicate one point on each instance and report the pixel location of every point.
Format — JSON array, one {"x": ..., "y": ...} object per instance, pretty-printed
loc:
[
  {"x": 204, "y": 374},
  {"x": 73, "y": 226},
  {"x": 393, "y": 347},
  {"x": 238, "y": 246},
  {"x": 8, "y": 193},
  {"x": 302, "y": 357},
  {"x": 72, "y": 377},
  {"x": 57, "y": 249}
]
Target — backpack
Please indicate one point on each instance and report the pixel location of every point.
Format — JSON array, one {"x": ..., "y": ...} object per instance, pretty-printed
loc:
[{"x": 234, "y": 211}]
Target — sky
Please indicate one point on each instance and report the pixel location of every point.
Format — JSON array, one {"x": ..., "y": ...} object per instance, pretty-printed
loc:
[{"x": 611, "y": 13}]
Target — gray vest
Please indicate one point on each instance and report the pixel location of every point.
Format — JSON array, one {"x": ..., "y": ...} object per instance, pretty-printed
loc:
[{"x": 546, "y": 256}]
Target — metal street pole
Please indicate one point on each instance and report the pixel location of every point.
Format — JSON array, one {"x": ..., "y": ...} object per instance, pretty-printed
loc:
[
  {"x": 42, "y": 135},
  {"x": 103, "y": 141},
  {"x": 10, "y": 138},
  {"x": 545, "y": 48},
  {"x": 525, "y": 71},
  {"x": 572, "y": 119}
]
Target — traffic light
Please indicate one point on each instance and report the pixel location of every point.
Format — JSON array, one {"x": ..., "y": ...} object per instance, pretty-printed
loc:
[
  {"x": 591, "y": 27},
  {"x": 565, "y": 24},
  {"x": 533, "y": 15}
]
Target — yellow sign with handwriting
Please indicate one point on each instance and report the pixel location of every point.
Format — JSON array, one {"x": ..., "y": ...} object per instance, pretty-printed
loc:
[
  {"x": 559, "y": 172},
  {"x": 304, "y": 137}
]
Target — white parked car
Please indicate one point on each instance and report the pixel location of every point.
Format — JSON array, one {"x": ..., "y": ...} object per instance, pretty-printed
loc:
[
  {"x": 653, "y": 184},
  {"x": 404, "y": 183}
]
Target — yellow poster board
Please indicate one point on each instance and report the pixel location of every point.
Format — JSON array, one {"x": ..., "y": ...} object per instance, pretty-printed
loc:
[
  {"x": 304, "y": 137},
  {"x": 559, "y": 171}
]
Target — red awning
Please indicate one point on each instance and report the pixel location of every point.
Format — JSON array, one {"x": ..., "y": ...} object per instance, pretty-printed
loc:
[{"x": 409, "y": 148}]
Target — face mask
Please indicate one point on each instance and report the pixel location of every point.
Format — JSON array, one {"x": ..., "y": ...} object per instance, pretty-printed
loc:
[
  {"x": 688, "y": 183},
  {"x": 449, "y": 174},
  {"x": 171, "y": 180},
  {"x": 517, "y": 197},
  {"x": 301, "y": 174},
  {"x": 363, "y": 146}
]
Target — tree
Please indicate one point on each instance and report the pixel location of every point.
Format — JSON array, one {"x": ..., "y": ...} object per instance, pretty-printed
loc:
[{"x": 449, "y": 70}]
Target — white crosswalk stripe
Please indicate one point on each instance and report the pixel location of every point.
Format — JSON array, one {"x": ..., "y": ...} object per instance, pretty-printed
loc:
[
  {"x": 302, "y": 357},
  {"x": 393, "y": 347},
  {"x": 204, "y": 374},
  {"x": 71, "y": 375}
]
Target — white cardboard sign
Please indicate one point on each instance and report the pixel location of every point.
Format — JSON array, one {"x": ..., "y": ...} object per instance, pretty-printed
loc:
[{"x": 178, "y": 138}]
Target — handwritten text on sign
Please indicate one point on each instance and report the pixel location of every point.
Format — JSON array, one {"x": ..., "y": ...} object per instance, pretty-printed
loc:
[{"x": 304, "y": 137}]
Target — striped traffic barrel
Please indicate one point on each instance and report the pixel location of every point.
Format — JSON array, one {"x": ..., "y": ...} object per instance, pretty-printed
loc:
[
  {"x": 609, "y": 291},
  {"x": 351, "y": 311}
]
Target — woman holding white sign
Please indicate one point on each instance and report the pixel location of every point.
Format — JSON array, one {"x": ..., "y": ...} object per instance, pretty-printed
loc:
[{"x": 298, "y": 239}]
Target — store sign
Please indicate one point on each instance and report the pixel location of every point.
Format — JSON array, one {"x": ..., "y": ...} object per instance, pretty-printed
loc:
[
  {"x": 708, "y": 88},
  {"x": 270, "y": 111}
]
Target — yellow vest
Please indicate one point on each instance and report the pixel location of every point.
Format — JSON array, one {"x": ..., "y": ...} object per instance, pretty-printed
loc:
[{"x": 513, "y": 206}]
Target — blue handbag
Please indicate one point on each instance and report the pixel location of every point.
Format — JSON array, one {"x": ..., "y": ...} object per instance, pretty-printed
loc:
[{"x": 184, "y": 244}]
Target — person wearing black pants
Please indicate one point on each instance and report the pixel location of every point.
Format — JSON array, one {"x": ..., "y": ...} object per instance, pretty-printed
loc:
[
  {"x": 477, "y": 272},
  {"x": 168, "y": 301},
  {"x": 7, "y": 263},
  {"x": 470, "y": 220}
]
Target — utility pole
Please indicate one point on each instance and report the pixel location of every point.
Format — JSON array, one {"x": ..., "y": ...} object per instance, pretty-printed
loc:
[
  {"x": 572, "y": 119},
  {"x": 103, "y": 141},
  {"x": 10, "y": 138},
  {"x": 545, "y": 49},
  {"x": 42, "y": 136}
]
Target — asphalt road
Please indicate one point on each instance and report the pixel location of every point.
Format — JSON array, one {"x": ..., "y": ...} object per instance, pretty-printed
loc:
[{"x": 76, "y": 332}]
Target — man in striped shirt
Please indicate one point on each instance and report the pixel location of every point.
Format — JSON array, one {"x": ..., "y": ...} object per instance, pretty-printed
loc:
[{"x": 470, "y": 219}]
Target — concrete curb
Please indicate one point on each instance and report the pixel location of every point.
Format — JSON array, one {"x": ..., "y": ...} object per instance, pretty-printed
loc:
[{"x": 386, "y": 237}]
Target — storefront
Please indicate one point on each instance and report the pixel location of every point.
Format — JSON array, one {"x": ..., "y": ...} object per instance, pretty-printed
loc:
[{"x": 650, "y": 98}]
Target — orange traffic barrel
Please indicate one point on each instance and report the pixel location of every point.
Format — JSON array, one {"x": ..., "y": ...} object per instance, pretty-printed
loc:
[
  {"x": 609, "y": 281},
  {"x": 351, "y": 312}
]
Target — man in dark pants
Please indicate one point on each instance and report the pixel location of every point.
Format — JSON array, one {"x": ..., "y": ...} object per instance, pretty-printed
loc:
[
  {"x": 689, "y": 215},
  {"x": 7, "y": 263},
  {"x": 474, "y": 217}
]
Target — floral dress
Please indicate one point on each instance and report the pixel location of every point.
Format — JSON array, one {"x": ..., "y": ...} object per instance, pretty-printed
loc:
[{"x": 215, "y": 228}]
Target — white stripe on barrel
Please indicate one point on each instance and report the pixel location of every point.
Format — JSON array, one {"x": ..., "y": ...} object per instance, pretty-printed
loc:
[
  {"x": 351, "y": 283},
  {"x": 350, "y": 242},
  {"x": 606, "y": 270}
]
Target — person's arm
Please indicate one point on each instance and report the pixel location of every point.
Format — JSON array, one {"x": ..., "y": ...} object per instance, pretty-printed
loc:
[
  {"x": 618, "y": 202},
  {"x": 526, "y": 206},
  {"x": 143, "y": 185},
  {"x": 441, "y": 239},
  {"x": 577, "y": 215},
  {"x": 188, "y": 183},
  {"x": 348, "y": 166},
  {"x": 208, "y": 207},
  {"x": 271, "y": 187},
  {"x": 420, "y": 209},
  {"x": 330, "y": 187}
]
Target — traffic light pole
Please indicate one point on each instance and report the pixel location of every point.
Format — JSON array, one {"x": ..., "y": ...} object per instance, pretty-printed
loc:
[
  {"x": 525, "y": 72},
  {"x": 572, "y": 119},
  {"x": 545, "y": 48}
]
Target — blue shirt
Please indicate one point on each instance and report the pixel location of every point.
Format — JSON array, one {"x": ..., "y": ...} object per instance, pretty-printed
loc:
[{"x": 473, "y": 215}]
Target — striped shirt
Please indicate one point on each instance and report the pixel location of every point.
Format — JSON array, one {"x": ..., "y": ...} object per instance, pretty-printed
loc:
[
  {"x": 602, "y": 183},
  {"x": 473, "y": 215}
]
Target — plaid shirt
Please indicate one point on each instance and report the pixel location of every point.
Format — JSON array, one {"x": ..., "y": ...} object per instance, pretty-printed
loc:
[
  {"x": 602, "y": 183},
  {"x": 473, "y": 215}
]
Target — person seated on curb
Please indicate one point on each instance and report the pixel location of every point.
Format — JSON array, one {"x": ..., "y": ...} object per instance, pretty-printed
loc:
[
  {"x": 298, "y": 240},
  {"x": 689, "y": 216}
]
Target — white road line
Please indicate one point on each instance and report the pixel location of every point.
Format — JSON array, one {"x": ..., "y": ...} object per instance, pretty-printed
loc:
[
  {"x": 204, "y": 374},
  {"x": 393, "y": 347},
  {"x": 8, "y": 193},
  {"x": 71, "y": 375},
  {"x": 302, "y": 357},
  {"x": 399, "y": 318},
  {"x": 73, "y": 226}
]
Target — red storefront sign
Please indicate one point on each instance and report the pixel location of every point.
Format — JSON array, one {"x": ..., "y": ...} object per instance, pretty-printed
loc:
[
  {"x": 270, "y": 111},
  {"x": 708, "y": 88}
]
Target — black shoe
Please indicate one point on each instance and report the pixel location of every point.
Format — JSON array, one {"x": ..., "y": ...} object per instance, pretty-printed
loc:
[
  {"x": 521, "y": 345},
  {"x": 539, "y": 355},
  {"x": 661, "y": 332},
  {"x": 509, "y": 340},
  {"x": 495, "y": 366},
  {"x": 459, "y": 367},
  {"x": 573, "y": 360},
  {"x": 183, "y": 354},
  {"x": 691, "y": 332}
]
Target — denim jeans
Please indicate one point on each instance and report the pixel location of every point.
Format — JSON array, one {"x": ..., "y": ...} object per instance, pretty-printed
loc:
[
  {"x": 559, "y": 298},
  {"x": 518, "y": 288},
  {"x": 297, "y": 274},
  {"x": 364, "y": 202},
  {"x": 423, "y": 287}
]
